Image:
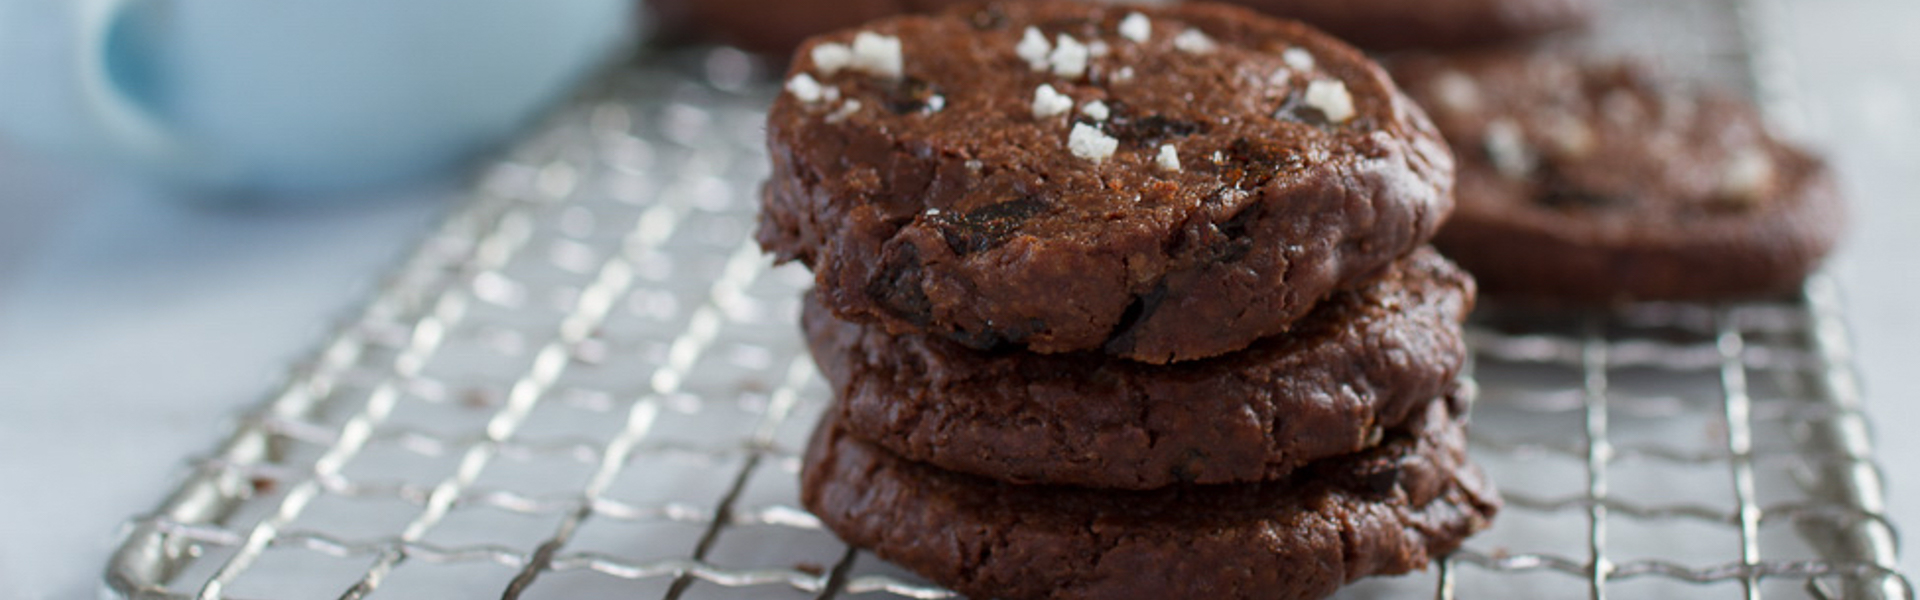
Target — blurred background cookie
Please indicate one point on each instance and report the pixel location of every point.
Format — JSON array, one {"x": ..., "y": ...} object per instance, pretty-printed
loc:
[
  {"x": 1436, "y": 24},
  {"x": 776, "y": 27},
  {"x": 1599, "y": 181}
]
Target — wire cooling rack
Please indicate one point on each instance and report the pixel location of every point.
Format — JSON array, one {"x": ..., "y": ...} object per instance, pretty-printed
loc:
[{"x": 588, "y": 383}]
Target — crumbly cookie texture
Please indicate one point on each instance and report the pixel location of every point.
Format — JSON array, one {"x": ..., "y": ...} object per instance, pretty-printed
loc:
[{"x": 1163, "y": 184}]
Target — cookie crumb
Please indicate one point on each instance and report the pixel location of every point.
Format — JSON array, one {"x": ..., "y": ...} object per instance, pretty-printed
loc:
[
  {"x": 1090, "y": 143},
  {"x": 831, "y": 58},
  {"x": 806, "y": 89},
  {"x": 1069, "y": 57},
  {"x": 1298, "y": 58},
  {"x": 1507, "y": 148},
  {"x": 1331, "y": 98},
  {"x": 1035, "y": 49},
  {"x": 1049, "y": 103},
  {"x": 846, "y": 110},
  {"x": 1096, "y": 110},
  {"x": 1194, "y": 41},
  {"x": 879, "y": 55},
  {"x": 1169, "y": 159},
  {"x": 1136, "y": 27}
]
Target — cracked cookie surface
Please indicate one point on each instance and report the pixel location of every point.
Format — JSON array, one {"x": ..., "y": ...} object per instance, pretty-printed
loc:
[{"x": 1158, "y": 184}]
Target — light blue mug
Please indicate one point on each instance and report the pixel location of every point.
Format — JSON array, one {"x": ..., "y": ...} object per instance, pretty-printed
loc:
[{"x": 291, "y": 95}]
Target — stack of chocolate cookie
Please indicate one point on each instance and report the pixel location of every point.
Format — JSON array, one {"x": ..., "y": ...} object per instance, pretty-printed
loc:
[{"x": 1124, "y": 303}]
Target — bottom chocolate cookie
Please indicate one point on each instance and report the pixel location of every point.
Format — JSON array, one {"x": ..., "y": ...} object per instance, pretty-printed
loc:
[{"x": 1385, "y": 511}]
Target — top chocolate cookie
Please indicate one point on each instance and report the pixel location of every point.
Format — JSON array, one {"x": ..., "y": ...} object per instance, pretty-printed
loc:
[{"x": 1162, "y": 183}]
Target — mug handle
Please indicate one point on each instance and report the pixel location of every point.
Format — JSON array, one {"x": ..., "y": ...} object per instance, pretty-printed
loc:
[{"x": 124, "y": 122}]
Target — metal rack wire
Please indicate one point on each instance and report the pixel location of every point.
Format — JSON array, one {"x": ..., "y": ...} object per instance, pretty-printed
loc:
[{"x": 588, "y": 384}]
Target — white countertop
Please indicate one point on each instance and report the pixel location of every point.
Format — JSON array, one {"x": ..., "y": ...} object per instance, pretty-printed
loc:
[{"x": 131, "y": 329}]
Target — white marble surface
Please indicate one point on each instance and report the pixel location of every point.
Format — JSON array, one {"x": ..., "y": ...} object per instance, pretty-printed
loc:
[{"x": 131, "y": 328}]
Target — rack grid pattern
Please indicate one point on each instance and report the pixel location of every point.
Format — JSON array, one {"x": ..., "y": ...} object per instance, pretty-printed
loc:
[{"x": 588, "y": 384}]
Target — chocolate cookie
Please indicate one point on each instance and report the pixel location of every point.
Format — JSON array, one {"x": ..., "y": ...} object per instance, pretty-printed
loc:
[
  {"x": 1599, "y": 182},
  {"x": 1360, "y": 364},
  {"x": 778, "y": 27},
  {"x": 1384, "y": 511},
  {"x": 1438, "y": 24},
  {"x": 1159, "y": 184}
]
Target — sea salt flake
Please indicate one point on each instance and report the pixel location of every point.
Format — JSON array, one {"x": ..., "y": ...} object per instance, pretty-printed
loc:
[
  {"x": 1098, "y": 49},
  {"x": 1069, "y": 57},
  {"x": 831, "y": 58},
  {"x": 1096, "y": 110},
  {"x": 1136, "y": 27},
  {"x": 1169, "y": 159},
  {"x": 1298, "y": 58},
  {"x": 1332, "y": 99},
  {"x": 1507, "y": 148},
  {"x": 1194, "y": 41},
  {"x": 936, "y": 104},
  {"x": 1049, "y": 103},
  {"x": 1747, "y": 175},
  {"x": 807, "y": 89},
  {"x": 1571, "y": 137},
  {"x": 1124, "y": 74},
  {"x": 1457, "y": 92},
  {"x": 1089, "y": 143},
  {"x": 880, "y": 55},
  {"x": 1280, "y": 76},
  {"x": 847, "y": 109},
  {"x": 1035, "y": 49}
]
